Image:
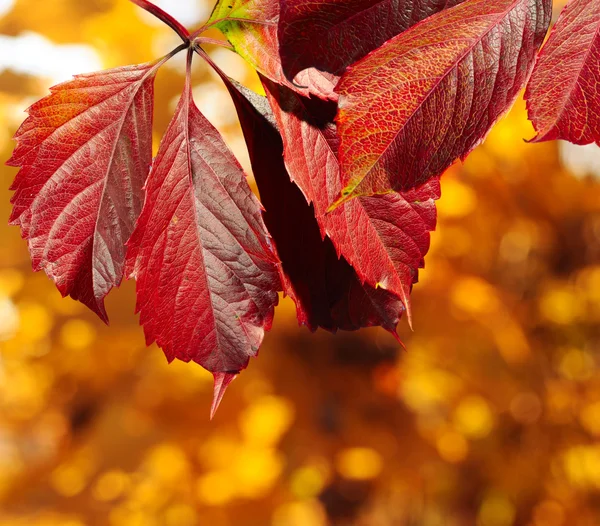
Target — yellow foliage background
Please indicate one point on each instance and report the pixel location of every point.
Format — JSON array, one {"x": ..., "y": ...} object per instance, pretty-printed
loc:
[{"x": 491, "y": 417}]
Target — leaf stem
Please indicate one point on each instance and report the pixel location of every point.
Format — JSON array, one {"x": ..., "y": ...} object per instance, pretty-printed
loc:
[
  {"x": 188, "y": 70},
  {"x": 171, "y": 54},
  {"x": 164, "y": 17}
]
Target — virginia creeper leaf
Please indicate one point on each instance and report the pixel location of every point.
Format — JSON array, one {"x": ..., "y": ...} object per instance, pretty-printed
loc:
[
  {"x": 563, "y": 95},
  {"x": 427, "y": 97},
  {"x": 332, "y": 34},
  {"x": 325, "y": 288},
  {"x": 251, "y": 28},
  {"x": 84, "y": 152},
  {"x": 206, "y": 274},
  {"x": 386, "y": 237}
]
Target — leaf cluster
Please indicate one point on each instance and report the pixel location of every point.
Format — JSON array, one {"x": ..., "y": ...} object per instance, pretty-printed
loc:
[{"x": 366, "y": 104}]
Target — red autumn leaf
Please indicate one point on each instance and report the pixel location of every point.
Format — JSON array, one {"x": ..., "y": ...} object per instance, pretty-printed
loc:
[
  {"x": 563, "y": 95},
  {"x": 84, "y": 152},
  {"x": 206, "y": 275},
  {"x": 332, "y": 34},
  {"x": 326, "y": 289},
  {"x": 385, "y": 238},
  {"x": 427, "y": 97}
]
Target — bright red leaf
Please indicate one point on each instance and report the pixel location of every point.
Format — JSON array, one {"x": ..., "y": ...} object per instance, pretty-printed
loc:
[
  {"x": 325, "y": 288},
  {"x": 385, "y": 238},
  {"x": 332, "y": 34},
  {"x": 207, "y": 278},
  {"x": 563, "y": 95},
  {"x": 430, "y": 95},
  {"x": 84, "y": 152}
]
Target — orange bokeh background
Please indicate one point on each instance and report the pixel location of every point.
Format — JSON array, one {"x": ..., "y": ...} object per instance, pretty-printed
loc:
[{"x": 491, "y": 416}]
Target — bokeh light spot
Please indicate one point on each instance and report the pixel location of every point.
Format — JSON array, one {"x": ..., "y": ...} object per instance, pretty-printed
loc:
[{"x": 359, "y": 463}]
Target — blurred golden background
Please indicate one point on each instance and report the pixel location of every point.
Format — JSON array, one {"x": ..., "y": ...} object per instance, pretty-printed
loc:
[{"x": 490, "y": 418}]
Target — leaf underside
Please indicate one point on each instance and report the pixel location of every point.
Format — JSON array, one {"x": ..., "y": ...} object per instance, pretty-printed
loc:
[
  {"x": 84, "y": 153},
  {"x": 427, "y": 97},
  {"x": 207, "y": 277},
  {"x": 563, "y": 95}
]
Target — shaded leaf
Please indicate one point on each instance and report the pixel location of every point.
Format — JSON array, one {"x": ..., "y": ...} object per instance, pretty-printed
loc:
[
  {"x": 84, "y": 152},
  {"x": 332, "y": 34},
  {"x": 325, "y": 288},
  {"x": 385, "y": 238},
  {"x": 427, "y": 97},
  {"x": 206, "y": 275},
  {"x": 563, "y": 95}
]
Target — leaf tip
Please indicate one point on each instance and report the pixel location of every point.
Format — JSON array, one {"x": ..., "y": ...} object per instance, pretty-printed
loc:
[
  {"x": 397, "y": 338},
  {"x": 222, "y": 381}
]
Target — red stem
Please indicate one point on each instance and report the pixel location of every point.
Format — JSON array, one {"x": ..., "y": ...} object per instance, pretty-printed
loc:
[
  {"x": 164, "y": 17},
  {"x": 188, "y": 70}
]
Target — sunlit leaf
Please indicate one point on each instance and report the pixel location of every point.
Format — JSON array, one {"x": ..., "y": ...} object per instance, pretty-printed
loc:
[
  {"x": 84, "y": 152},
  {"x": 206, "y": 275},
  {"x": 563, "y": 95},
  {"x": 427, "y": 97}
]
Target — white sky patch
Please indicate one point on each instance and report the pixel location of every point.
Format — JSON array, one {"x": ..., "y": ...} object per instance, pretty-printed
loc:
[
  {"x": 188, "y": 12},
  {"x": 5, "y": 6},
  {"x": 33, "y": 54},
  {"x": 580, "y": 160}
]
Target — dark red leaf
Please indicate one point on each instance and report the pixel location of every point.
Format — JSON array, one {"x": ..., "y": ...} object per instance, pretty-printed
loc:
[
  {"x": 332, "y": 34},
  {"x": 563, "y": 95},
  {"x": 84, "y": 152},
  {"x": 207, "y": 278},
  {"x": 385, "y": 238},
  {"x": 430, "y": 95},
  {"x": 326, "y": 289}
]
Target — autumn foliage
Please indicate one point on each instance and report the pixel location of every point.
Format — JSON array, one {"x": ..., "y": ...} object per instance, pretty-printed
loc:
[{"x": 359, "y": 120}]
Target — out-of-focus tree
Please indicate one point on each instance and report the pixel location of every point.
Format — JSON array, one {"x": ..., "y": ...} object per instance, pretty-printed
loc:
[{"x": 491, "y": 416}]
